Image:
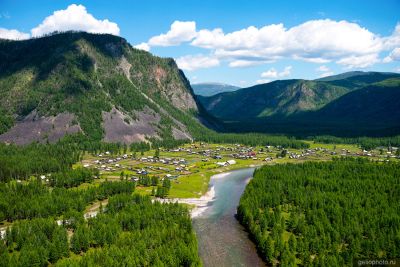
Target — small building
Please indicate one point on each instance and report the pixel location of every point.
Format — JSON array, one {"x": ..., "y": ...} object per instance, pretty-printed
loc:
[
  {"x": 134, "y": 179},
  {"x": 231, "y": 162}
]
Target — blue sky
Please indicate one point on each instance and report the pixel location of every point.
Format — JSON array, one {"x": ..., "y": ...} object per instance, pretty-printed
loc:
[{"x": 236, "y": 42}]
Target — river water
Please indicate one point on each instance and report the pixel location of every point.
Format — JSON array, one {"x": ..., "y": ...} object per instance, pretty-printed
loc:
[{"x": 222, "y": 240}]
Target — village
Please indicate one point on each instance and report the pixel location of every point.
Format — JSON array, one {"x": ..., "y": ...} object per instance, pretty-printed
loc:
[{"x": 189, "y": 167}]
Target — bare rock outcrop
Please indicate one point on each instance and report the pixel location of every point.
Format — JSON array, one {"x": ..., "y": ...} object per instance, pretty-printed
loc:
[{"x": 34, "y": 128}]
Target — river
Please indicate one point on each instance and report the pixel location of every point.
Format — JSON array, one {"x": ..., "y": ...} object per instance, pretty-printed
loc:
[{"x": 222, "y": 240}]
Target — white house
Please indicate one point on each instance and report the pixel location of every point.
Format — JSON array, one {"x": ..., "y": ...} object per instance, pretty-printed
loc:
[{"x": 231, "y": 162}]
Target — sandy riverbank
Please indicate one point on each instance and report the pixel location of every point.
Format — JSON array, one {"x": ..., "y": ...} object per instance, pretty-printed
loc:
[{"x": 201, "y": 204}]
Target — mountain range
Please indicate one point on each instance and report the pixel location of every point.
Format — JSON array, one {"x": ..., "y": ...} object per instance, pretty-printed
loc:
[
  {"x": 100, "y": 86},
  {"x": 352, "y": 103},
  {"x": 209, "y": 89}
]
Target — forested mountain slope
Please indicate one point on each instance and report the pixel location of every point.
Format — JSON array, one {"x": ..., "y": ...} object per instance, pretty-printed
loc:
[
  {"x": 373, "y": 103},
  {"x": 278, "y": 98},
  {"x": 350, "y": 104},
  {"x": 95, "y": 84}
]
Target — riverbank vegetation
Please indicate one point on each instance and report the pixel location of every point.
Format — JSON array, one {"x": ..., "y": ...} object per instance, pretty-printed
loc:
[{"x": 324, "y": 213}]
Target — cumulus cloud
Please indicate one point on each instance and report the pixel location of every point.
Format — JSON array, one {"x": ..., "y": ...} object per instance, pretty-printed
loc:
[
  {"x": 240, "y": 63},
  {"x": 326, "y": 74},
  {"x": 311, "y": 41},
  {"x": 143, "y": 46},
  {"x": 359, "y": 61},
  {"x": 243, "y": 63},
  {"x": 393, "y": 56},
  {"x": 322, "y": 68},
  {"x": 317, "y": 41},
  {"x": 317, "y": 60},
  {"x": 393, "y": 40},
  {"x": 193, "y": 62},
  {"x": 75, "y": 17},
  {"x": 285, "y": 72},
  {"x": 272, "y": 73},
  {"x": 325, "y": 71},
  {"x": 181, "y": 31},
  {"x": 260, "y": 81},
  {"x": 13, "y": 34}
]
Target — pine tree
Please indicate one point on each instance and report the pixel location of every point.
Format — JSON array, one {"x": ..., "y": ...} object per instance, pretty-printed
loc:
[{"x": 157, "y": 153}]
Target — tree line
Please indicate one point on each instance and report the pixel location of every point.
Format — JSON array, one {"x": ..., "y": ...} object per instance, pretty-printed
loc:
[
  {"x": 20, "y": 162},
  {"x": 365, "y": 142},
  {"x": 73, "y": 177}
]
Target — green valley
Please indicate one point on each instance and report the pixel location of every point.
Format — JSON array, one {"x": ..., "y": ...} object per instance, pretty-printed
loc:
[{"x": 110, "y": 156}]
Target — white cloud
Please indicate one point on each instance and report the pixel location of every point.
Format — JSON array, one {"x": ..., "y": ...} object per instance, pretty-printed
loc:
[
  {"x": 246, "y": 63},
  {"x": 359, "y": 61},
  {"x": 325, "y": 71},
  {"x": 193, "y": 62},
  {"x": 285, "y": 72},
  {"x": 13, "y": 34},
  {"x": 393, "y": 40},
  {"x": 272, "y": 73},
  {"x": 397, "y": 69},
  {"x": 75, "y": 17},
  {"x": 326, "y": 74},
  {"x": 317, "y": 41},
  {"x": 322, "y": 68},
  {"x": 393, "y": 56},
  {"x": 143, "y": 46},
  {"x": 260, "y": 81},
  {"x": 317, "y": 60},
  {"x": 181, "y": 31}
]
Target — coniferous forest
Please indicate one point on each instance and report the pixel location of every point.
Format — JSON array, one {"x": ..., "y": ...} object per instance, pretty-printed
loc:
[
  {"x": 131, "y": 231},
  {"x": 324, "y": 214}
]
